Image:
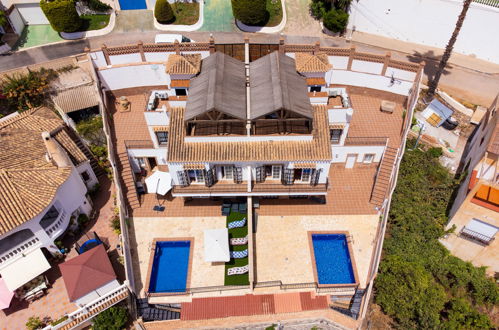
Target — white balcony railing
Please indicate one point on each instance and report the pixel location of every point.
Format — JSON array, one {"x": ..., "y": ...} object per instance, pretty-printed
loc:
[
  {"x": 25, "y": 247},
  {"x": 92, "y": 309},
  {"x": 58, "y": 226}
]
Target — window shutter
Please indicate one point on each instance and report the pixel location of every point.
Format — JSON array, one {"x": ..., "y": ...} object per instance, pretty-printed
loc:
[
  {"x": 316, "y": 174},
  {"x": 209, "y": 180},
  {"x": 238, "y": 175},
  {"x": 182, "y": 178},
  {"x": 287, "y": 178},
  {"x": 260, "y": 177}
]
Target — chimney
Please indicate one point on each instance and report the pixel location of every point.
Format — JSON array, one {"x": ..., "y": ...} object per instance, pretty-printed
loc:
[{"x": 55, "y": 153}]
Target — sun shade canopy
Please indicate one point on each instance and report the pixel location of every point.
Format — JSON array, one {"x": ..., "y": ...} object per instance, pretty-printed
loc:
[
  {"x": 24, "y": 269},
  {"x": 216, "y": 245},
  {"x": 159, "y": 183}
]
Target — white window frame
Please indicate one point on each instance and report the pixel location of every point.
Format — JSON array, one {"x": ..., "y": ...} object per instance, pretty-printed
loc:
[
  {"x": 368, "y": 161},
  {"x": 276, "y": 169},
  {"x": 228, "y": 172},
  {"x": 197, "y": 175},
  {"x": 141, "y": 161},
  {"x": 305, "y": 175}
]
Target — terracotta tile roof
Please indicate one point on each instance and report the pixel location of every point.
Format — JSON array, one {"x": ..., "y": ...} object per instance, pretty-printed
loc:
[
  {"x": 87, "y": 272},
  {"x": 75, "y": 99},
  {"x": 316, "y": 149},
  {"x": 316, "y": 81},
  {"x": 183, "y": 64},
  {"x": 24, "y": 193},
  {"x": 180, "y": 83},
  {"x": 312, "y": 62},
  {"x": 28, "y": 182},
  {"x": 221, "y": 307}
]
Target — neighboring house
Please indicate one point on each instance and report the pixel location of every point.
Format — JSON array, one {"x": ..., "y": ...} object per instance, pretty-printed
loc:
[
  {"x": 303, "y": 140},
  {"x": 44, "y": 177},
  {"x": 24, "y": 12},
  {"x": 475, "y": 212},
  {"x": 89, "y": 276}
]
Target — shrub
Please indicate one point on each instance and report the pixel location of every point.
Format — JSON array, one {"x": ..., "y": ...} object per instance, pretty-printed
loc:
[
  {"x": 25, "y": 91},
  {"x": 335, "y": 20},
  {"x": 114, "y": 318},
  {"x": 60, "y": 320},
  {"x": 163, "y": 12},
  {"x": 250, "y": 12},
  {"x": 98, "y": 5},
  {"x": 115, "y": 224},
  {"x": 62, "y": 15},
  {"x": 82, "y": 220},
  {"x": 435, "y": 152},
  {"x": 91, "y": 129},
  {"x": 317, "y": 9},
  {"x": 34, "y": 322}
]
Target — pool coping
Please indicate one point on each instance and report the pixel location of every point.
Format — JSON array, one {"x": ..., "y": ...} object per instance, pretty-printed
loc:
[
  {"x": 151, "y": 260},
  {"x": 350, "y": 252}
]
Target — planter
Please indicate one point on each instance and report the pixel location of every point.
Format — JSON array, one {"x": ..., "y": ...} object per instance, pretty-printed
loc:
[
  {"x": 329, "y": 32},
  {"x": 4, "y": 49}
]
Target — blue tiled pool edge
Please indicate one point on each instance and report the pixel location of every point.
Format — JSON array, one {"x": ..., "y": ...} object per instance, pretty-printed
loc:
[
  {"x": 331, "y": 257},
  {"x": 169, "y": 271}
]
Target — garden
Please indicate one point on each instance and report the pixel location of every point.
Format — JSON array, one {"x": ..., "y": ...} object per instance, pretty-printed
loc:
[
  {"x": 240, "y": 232},
  {"x": 178, "y": 13},
  {"x": 420, "y": 285},
  {"x": 258, "y": 12},
  {"x": 63, "y": 15}
]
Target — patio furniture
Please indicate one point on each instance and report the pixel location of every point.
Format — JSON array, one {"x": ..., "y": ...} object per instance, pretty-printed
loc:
[
  {"x": 243, "y": 208},
  {"x": 216, "y": 245},
  {"x": 235, "y": 207},
  {"x": 225, "y": 211},
  {"x": 237, "y": 224},
  {"x": 239, "y": 254},
  {"x": 238, "y": 270},
  {"x": 239, "y": 241}
]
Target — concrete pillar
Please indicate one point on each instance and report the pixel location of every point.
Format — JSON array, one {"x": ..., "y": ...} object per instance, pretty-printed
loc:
[
  {"x": 212, "y": 44},
  {"x": 177, "y": 47},
  {"x": 140, "y": 45},
  {"x": 386, "y": 62},
  {"x": 282, "y": 46},
  {"x": 317, "y": 47},
  {"x": 106, "y": 54},
  {"x": 350, "y": 58}
]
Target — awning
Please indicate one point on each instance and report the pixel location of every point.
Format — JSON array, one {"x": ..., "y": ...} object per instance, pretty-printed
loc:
[
  {"x": 5, "y": 295},
  {"x": 78, "y": 98},
  {"x": 436, "y": 113},
  {"x": 159, "y": 183},
  {"x": 24, "y": 269},
  {"x": 216, "y": 245},
  {"x": 482, "y": 228}
]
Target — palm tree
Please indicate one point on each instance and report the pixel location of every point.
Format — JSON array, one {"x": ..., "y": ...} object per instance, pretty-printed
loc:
[{"x": 432, "y": 85}]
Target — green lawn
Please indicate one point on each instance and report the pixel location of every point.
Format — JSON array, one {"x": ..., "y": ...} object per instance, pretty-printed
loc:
[
  {"x": 234, "y": 233},
  {"x": 274, "y": 8},
  {"x": 94, "y": 22},
  {"x": 185, "y": 13}
]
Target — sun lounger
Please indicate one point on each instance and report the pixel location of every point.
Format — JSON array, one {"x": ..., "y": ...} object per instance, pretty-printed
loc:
[
  {"x": 239, "y": 254},
  {"x": 238, "y": 270},
  {"x": 239, "y": 241},
  {"x": 237, "y": 224}
]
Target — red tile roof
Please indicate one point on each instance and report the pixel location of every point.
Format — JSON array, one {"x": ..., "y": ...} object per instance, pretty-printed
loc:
[
  {"x": 220, "y": 307},
  {"x": 87, "y": 272}
]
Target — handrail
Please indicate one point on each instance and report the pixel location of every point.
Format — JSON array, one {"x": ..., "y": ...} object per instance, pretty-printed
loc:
[
  {"x": 191, "y": 291},
  {"x": 312, "y": 285},
  {"x": 267, "y": 284},
  {"x": 476, "y": 235}
]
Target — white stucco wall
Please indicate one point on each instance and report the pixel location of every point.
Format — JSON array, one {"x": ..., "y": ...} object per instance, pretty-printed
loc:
[
  {"x": 430, "y": 22},
  {"x": 340, "y": 153},
  {"x": 17, "y": 21},
  {"x": 97, "y": 293},
  {"x": 159, "y": 153},
  {"x": 342, "y": 77}
]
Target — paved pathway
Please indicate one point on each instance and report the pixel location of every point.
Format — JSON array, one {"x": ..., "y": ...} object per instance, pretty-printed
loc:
[
  {"x": 218, "y": 16},
  {"x": 299, "y": 20}
]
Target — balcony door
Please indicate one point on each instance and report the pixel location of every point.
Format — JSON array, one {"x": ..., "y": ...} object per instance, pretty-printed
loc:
[{"x": 351, "y": 158}]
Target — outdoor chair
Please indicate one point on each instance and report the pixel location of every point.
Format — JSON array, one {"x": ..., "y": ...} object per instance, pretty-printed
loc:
[
  {"x": 239, "y": 241},
  {"x": 239, "y": 254},
  {"x": 237, "y": 224},
  {"x": 238, "y": 270}
]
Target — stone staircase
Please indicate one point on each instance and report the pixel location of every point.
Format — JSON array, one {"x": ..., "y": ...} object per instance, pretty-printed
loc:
[
  {"x": 153, "y": 313},
  {"x": 129, "y": 189},
  {"x": 382, "y": 181}
]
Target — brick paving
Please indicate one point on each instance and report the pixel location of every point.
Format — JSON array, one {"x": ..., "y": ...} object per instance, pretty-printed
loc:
[{"x": 56, "y": 303}]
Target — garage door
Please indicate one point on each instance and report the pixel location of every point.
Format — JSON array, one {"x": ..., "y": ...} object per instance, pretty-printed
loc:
[{"x": 32, "y": 14}]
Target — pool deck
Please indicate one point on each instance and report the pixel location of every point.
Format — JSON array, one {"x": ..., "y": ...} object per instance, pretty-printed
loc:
[
  {"x": 144, "y": 230},
  {"x": 283, "y": 252}
]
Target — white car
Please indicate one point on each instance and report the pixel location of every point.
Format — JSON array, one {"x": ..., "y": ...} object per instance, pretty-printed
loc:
[{"x": 170, "y": 38}]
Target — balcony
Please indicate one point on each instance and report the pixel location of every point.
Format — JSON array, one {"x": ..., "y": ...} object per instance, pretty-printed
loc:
[{"x": 241, "y": 189}]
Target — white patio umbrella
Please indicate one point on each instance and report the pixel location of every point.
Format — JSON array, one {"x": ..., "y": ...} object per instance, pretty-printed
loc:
[
  {"x": 159, "y": 183},
  {"x": 216, "y": 245}
]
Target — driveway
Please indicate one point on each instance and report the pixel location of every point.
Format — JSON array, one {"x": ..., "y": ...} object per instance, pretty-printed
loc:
[
  {"x": 299, "y": 20},
  {"x": 218, "y": 16}
]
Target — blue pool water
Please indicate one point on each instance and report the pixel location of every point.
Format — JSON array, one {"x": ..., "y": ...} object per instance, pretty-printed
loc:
[
  {"x": 170, "y": 266},
  {"x": 332, "y": 259},
  {"x": 132, "y": 4},
  {"x": 90, "y": 244}
]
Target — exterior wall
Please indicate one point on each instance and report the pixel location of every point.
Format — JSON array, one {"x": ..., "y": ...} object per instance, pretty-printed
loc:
[
  {"x": 16, "y": 21},
  {"x": 99, "y": 292},
  {"x": 69, "y": 198},
  {"x": 340, "y": 153},
  {"x": 374, "y": 81},
  {"x": 430, "y": 22},
  {"x": 159, "y": 154},
  {"x": 87, "y": 167},
  {"x": 32, "y": 13}
]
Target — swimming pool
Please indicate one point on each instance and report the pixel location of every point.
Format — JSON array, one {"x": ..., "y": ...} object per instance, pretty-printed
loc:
[
  {"x": 132, "y": 4},
  {"x": 170, "y": 266},
  {"x": 332, "y": 259}
]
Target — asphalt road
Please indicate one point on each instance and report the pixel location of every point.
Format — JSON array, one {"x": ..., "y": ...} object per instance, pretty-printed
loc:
[{"x": 460, "y": 82}]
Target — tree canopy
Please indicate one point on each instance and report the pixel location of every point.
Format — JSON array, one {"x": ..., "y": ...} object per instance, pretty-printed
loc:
[
  {"x": 62, "y": 15},
  {"x": 163, "y": 12}
]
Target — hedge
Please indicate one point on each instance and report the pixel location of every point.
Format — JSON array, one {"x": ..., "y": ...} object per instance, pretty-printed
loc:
[
  {"x": 163, "y": 12},
  {"x": 62, "y": 15}
]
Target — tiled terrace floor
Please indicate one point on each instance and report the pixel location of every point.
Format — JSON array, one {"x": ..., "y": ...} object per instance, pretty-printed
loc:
[{"x": 56, "y": 303}]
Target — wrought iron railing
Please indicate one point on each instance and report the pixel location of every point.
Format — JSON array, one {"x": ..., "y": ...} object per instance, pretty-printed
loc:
[
  {"x": 476, "y": 236},
  {"x": 193, "y": 291},
  {"x": 492, "y": 3}
]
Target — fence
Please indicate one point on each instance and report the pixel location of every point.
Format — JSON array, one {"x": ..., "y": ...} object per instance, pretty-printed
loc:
[
  {"x": 492, "y": 3},
  {"x": 194, "y": 291}
]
